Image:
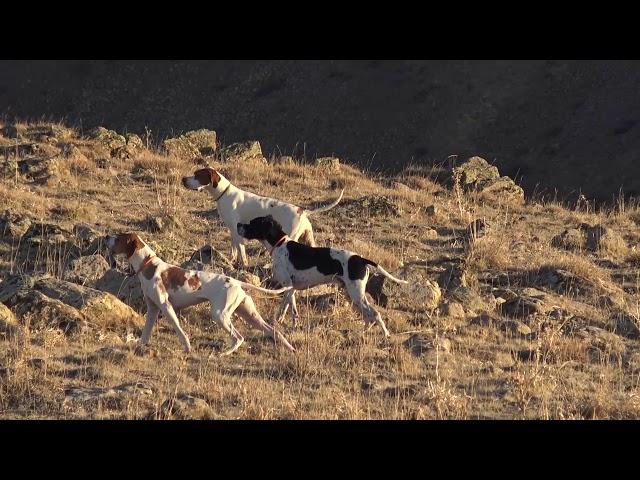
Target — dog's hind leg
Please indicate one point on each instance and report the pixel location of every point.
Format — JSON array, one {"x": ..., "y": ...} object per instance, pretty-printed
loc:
[
  {"x": 222, "y": 316},
  {"x": 356, "y": 290},
  {"x": 238, "y": 339},
  {"x": 294, "y": 308},
  {"x": 248, "y": 312}
]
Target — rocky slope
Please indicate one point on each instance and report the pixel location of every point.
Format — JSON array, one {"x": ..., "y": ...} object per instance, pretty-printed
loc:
[{"x": 515, "y": 308}]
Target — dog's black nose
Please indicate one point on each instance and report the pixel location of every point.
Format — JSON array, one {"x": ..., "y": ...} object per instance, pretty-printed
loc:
[{"x": 184, "y": 181}]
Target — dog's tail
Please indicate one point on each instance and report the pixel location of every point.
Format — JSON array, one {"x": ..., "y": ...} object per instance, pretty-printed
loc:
[
  {"x": 326, "y": 207},
  {"x": 249, "y": 286},
  {"x": 382, "y": 271}
]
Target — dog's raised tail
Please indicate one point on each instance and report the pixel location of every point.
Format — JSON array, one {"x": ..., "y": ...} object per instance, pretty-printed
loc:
[
  {"x": 249, "y": 286},
  {"x": 383, "y": 271},
  {"x": 326, "y": 207}
]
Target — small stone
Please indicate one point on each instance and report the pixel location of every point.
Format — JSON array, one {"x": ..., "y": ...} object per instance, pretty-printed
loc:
[
  {"x": 430, "y": 234},
  {"x": 329, "y": 163},
  {"x": 503, "y": 360},
  {"x": 517, "y": 327},
  {"x": 452, "y": 309},
  {"x": 571, "y": 239},
  {"x": 10, "y": 131},
  {"x": 187, "y": 407}
]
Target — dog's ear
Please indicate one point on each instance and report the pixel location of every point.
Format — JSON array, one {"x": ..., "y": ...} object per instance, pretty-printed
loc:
[
  {"x": 206, "y": 176},
  {"x": 214, "y": 177}
]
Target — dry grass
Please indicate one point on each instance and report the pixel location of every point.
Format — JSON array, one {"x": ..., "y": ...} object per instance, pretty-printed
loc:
[{"x": 339, "y": 372}]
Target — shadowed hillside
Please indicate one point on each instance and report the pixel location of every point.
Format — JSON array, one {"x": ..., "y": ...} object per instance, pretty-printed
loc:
[{"x": 553, "y": 124}]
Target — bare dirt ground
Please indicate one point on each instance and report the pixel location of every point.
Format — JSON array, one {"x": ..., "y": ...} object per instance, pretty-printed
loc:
[{"x": 538, "y": 316}]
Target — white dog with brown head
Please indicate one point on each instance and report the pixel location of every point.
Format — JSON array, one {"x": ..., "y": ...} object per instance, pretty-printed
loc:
[
  {"x": 168, "y": 288},
  {"x": 236, "y": 205}
]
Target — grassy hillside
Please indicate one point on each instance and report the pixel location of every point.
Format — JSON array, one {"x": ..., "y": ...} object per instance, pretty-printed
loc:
[{"x": 538, "y": 316}]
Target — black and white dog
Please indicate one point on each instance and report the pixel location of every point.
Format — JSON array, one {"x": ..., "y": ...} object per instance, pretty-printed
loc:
[{"x": 302, "y": 266}]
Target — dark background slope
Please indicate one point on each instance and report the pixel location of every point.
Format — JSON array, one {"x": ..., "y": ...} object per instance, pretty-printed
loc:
[{"x": 565, "y": 125}]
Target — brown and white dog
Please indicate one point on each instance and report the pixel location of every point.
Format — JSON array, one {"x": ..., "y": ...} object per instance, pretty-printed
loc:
[
  {"x": 236, "y": 205},
  {"x": 168, "y": 288},
  {"x": 302, "y": 267}
]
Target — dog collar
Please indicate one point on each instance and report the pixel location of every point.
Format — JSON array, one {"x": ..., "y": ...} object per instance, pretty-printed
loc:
[
  {"x": 278, "y": 243},
  {"x": 223, "y": 192},
  {"x": 145, "y": 263}
]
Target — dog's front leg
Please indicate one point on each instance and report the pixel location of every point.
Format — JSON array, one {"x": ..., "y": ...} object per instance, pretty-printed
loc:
[
  {"x": 238, "y": 250},
  {"x": 168, "y": 312},
  {"x": 150, "y": 320},
  {"x": 284, "y": 306}
]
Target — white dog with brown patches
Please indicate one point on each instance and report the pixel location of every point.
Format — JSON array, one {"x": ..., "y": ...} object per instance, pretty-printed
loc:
[
  {"x": 236, "y": 205},
  {"x": 168, "y": 288}
]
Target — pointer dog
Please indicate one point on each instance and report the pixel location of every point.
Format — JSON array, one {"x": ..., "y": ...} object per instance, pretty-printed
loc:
[
  {"x": 236, "y": 205},
  {"x": 168, "y": 288},
  {"x": 302, "y": 267}
]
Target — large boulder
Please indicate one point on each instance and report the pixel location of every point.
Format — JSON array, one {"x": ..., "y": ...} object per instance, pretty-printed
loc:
[
  {"x": 524, "y": 303},
  {"x": 8, "y": 321},
  {"x": 130, "y": 149},
  {"x": 86, "y": 270},
  {"x": 604, "y": 239},
  {"x": 38, "y": 311},
  {"x": 419, "y": 295},
  {"x": 71, "y": 152},
  {"x": 468, "y": 298},
  {"x": 478, "y": 175},
  {"x": 241, "y": 152},
  {"x": 100, "y": 308},
  {"x": 96, "y": 307},
  {"x": 89, "y": 240},
  {"x": 192, "y": 145},
  {"x": 108, "y": 138},
  {"x": 452, "y": 276},
  {"x": 125, "y": 288},
  {"x": 52, "y": 238},
  {"x": 40, "y": 170},
  {"x": 14, "y": 224},
  {"x": 625, "y": 324}
]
